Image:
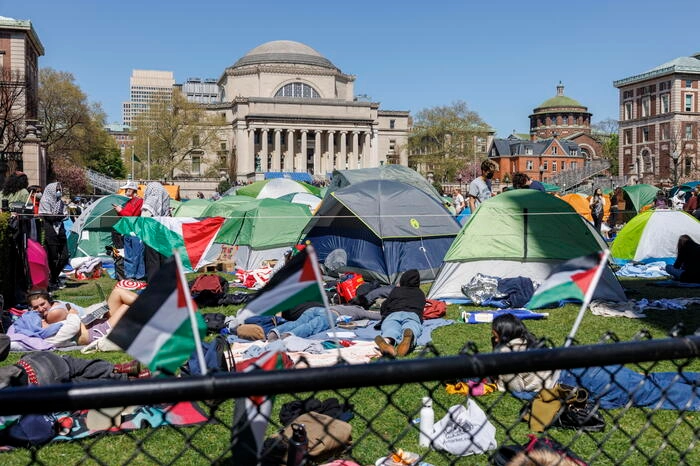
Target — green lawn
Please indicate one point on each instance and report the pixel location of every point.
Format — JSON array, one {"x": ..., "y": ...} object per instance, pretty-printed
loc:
[{"x": 383, "y": 414}]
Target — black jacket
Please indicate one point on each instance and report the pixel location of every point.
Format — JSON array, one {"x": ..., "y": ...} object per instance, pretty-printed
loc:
[{"x": 407, "y": 297}]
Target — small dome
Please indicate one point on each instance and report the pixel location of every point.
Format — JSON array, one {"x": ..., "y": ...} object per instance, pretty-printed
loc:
[
  {"x": 284, "y": 52},
  {"x": 559, "y": 100}
]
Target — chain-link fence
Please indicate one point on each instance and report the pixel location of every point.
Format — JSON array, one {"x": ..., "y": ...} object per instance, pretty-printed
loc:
[{"x": 644, "y": 413}]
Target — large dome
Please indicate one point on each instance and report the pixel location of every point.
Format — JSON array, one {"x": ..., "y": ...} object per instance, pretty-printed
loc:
[{"x": 284, "y": 51}]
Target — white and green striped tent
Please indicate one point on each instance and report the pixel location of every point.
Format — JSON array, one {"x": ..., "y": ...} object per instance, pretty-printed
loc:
[{"x": 653, "y": 236}]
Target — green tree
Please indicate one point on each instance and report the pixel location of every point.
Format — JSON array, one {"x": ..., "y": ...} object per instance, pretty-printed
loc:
[
  {"x": 606, "y": 132},
  {"x": 443, "y": 140},
  {"x": 174, "y": 131}
]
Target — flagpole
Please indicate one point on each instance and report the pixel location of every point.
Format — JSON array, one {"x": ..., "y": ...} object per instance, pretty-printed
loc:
[
  {"x": 588, "y": 296},
  {"x": 191, "y": 312},
  {"x": 324, "y": 296}
]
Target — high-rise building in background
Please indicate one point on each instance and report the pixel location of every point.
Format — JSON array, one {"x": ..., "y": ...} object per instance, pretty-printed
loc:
[
  {"x": 146, "y": 86},
  {"x": 200, "y": 91}
]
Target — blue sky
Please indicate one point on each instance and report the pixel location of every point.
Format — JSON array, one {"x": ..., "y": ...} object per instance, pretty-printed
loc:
[{"x": 502, "y": 58}]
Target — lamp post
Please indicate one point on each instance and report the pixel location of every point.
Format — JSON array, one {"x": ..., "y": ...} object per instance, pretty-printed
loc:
[
  {"x": 675, "y": 155},
  {"x": 611, "y": 182},
  {"x": 541, "y": 173}
]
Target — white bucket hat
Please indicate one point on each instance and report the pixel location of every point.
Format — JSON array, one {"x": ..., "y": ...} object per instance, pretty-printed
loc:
[{"x": 130, "y": 185}]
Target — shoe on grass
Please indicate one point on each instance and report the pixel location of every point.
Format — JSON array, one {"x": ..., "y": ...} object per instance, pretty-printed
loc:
[
  {"x": 406, "y": 343},
  {"x": 386, "y": 348}
]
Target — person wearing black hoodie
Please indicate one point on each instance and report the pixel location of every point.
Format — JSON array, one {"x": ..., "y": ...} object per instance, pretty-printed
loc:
[{"x": 402, "y": 316}]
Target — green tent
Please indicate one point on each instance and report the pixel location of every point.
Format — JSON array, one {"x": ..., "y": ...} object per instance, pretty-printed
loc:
[
  {"x": 525, "y": 233},
  {"x": 551, "y": 188},
  {"x": 92, "y": 230},
  {"x": 263, "y": 229},
  {"x": 191, "y": 208},
  {"x": 640, "y": 195},
  {"x": 225, "y": 206}
]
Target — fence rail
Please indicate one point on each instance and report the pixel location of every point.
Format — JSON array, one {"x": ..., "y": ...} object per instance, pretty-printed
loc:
[{"x": 386, "y": 397}]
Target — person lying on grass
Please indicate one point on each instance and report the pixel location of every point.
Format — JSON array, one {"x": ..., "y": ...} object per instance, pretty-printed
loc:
[
  {"x": 402, "y": 316},
  {"x": 612, "y": 386},
  {"x": 54, "y": 314}
]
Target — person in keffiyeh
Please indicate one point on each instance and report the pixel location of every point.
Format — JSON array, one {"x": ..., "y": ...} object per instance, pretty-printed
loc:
[
  {"x": 156, "y": 203},
  {"x": 53, "y": 211}
]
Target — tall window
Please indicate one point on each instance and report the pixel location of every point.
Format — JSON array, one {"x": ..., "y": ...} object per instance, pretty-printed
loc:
[
  {"x": 664, "y": 131},
  {"x": 665, "y": 103},
  {"x": 545, "y": 165},
  {"x": 627, "y": 136},
  {"x": 645, "y": 134},
  {"x": 554, "y": 165},
  {"x": 298, "y": 89},
  {"x": 645, "y": 107},
  {"x": 688, "y": 83},
  {"x": 528, "y": 165},
  {"x": 689, "y": 102},
  {"x": 196, "y": 164},
  {"x": 688, "y": 130},
  {"x": 628, "y": 111},
  {"x": 195, "y": 141},
  {"x": 554, "y": 150},
  {"x": 392, "y": 124},
  {"x": 573, "y": 165}
]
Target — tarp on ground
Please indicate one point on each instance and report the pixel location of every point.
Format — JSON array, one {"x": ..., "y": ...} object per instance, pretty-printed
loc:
[
  {"x": 525, "y": 233},
  {"x": 343, "y": 178},
  {"x": 653, "y": 235},
  {"x": 384, "y": 227},
  {"x": 92, "y": 230}
]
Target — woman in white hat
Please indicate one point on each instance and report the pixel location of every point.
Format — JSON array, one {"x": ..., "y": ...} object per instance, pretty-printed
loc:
[{"x": 133, "y": 246}]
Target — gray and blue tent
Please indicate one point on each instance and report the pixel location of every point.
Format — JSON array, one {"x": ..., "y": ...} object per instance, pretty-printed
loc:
[{"x": 382, "y": 228}]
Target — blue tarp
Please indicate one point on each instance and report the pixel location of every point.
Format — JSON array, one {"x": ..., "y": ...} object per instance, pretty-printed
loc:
[{"x": 296, "y": 176}]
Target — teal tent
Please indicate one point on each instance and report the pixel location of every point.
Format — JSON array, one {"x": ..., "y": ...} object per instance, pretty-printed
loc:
[
  {"x": 191, "y": 208},
  {"x": 92, "y": 230}
]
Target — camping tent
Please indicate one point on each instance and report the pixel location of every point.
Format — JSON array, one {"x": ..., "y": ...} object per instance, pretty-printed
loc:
[
  {"x": 225, "y": 206},
  {"x": 582, "y": 205},
  {"x": 653, "y": 235},
  {"x": 306, "y": 199},
  {"x": 191, "y": 208},
  {"x": 640, "y": 195},
  {"x": 92, "y": 230},
  {"x": 384, "y": 228},
  {"x": 520, "y": 233},
  {"x": 686, "y": 187},
  {"x": 343, "y": 178},
  {"x": 263, "y": 230},
  {"x": 273, "y": 188}
]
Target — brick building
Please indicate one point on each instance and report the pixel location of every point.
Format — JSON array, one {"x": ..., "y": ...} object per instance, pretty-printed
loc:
[{"x": 659, "y": 122}]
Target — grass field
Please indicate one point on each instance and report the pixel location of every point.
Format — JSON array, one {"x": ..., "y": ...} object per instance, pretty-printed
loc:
[{"x": 383, "y": 414}]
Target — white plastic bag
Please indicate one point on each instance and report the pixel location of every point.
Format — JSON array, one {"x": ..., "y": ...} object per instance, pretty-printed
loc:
[{"x": 464, "y": 431}]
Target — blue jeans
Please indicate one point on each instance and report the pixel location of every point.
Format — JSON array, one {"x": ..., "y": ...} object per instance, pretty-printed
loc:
[
  {"x": 134, "y": 266},
  {"x": 312, "y": 321},
  {"x": 616, "y": 386},
  {"x": 396, "y": 322}
]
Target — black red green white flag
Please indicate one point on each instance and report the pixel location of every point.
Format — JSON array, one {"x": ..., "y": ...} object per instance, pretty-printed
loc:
[{"x": 570, "y": 280}]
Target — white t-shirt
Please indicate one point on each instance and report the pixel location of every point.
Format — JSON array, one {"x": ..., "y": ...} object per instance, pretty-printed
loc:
[
  {"x": 479, "y": 190},
  {"x": 458, "y": 201}
]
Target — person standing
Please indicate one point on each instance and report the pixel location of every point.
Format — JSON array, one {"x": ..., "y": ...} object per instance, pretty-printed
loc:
[
  {"x": 134, "y": 266},
  {"x": 156, "y": 203},
  {"x": 458, "y": 201},
  {"x": 480, "y": 187},
  {"x": 597, "y": 204},
  {"x": 53, "y": 211},
  {"x": 612, "y": 218}
]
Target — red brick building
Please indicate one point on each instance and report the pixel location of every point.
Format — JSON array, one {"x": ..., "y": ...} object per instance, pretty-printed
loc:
[{"x": 659, "y": 124}]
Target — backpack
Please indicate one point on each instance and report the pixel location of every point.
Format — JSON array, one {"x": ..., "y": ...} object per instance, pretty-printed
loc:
[
  {"x": 434, "y": 309},
  {"x": 208, "y": 289},
  {"x": 217, "y": 356},
  {"x": 348, "y": 284},
  {"x": 215, "y": 321}
]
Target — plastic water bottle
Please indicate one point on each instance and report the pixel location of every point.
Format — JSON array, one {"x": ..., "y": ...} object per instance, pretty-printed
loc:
[
  {"x": 427, "y": 419},
  {"x": 298, "y": 446}
]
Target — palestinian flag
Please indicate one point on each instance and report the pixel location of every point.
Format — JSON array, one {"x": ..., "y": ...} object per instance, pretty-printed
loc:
[
  {"x": 570, "y": 280},
  {"x": 295, "y": 283},
  {"x": 157, "y": 329},
  {"x": 252, "y": 415},
  {"x": 195, "y": 238}
]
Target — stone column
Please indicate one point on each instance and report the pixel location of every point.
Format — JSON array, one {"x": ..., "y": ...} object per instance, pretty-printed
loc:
[
  {"x": 374, "y": 148},
  {"x": 317, "y": 154},
  {"x": 251, "y": 148},
  {"x": 243, "y": 162},
  {"x": 276, "y": 156},
  {"x": 329, "y": 165},
  {"x": 301, "y": 166},
  {"x": 365, "y": 161},
  {"x": 343, "y": 159},
  {"x": 264, "y": 153},
  {"x": 289, "y": 157},
  {"x": 33, "y": 164},
  {"x": 354, "y": 154}
]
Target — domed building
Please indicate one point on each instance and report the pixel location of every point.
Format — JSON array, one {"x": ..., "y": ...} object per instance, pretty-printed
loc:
[
  {"x": 565, "y": 118},
  {"x": 290, "y": 109}
]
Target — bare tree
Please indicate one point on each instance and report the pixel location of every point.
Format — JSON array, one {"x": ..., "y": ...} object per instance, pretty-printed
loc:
[{"x": 12, "y": 110}]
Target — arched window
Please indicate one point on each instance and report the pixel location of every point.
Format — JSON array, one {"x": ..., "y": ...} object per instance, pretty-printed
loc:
[{"x": 298, "y": 89}]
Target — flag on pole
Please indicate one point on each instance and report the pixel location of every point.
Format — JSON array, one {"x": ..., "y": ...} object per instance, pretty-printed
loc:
[
  {"x": 569, "y": 280},
  {"x": 252, "y": 415},
  {"x": 295, "y": 283},
  {"x": 157, "y": 329}
]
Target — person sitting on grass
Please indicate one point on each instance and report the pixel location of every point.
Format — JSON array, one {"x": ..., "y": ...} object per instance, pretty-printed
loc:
[
  {"x": 55, "y": 313},
  {"x": 613, "y": 386},
  {"x": 315, "y": 319},
  {"x": 402, "y": 316},
  {"x": 687, "y": 265}
]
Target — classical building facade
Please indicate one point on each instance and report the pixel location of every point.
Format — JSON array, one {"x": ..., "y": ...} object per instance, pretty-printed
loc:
[
  {"x": 659, "y": 122},
  {"x": 20, "y": 49},
  {"x": 289, "y": 109},
  {"x": 144, "y": 87}
]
